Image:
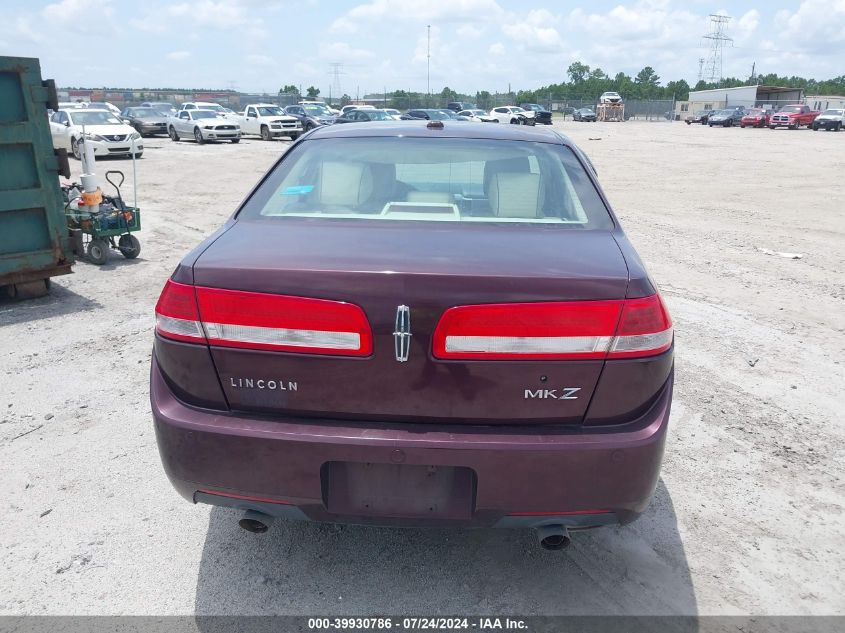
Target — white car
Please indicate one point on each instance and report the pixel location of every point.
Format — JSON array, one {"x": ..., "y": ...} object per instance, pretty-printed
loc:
[
  {"x": 830, "y": 119},
  {"x": 478, "y": 115},
  {"x": 513, "y": 114},
  {"x": 610, "y": 97},
  {"x": 105, "y": 132},
  {"x": 393, "y": 112},
  {"x": 204, "y": 105},
  {"x": 202, "y": 126}
]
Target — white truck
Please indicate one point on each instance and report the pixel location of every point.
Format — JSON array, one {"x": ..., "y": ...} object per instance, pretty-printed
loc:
[{"x": 268, "y": 121}]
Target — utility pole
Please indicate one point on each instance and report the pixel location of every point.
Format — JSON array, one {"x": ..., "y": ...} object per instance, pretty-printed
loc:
[{"x": 428, "y": 65}]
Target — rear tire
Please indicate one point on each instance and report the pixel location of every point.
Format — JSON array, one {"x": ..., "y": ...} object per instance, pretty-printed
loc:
[
  {"x": 198, "y": 136},
  {"x": 235, "y": 140},
  {"x": 129, "y": 246},
  {"x": 171, "y": 132},
  {"x": 98, "y": 251}
]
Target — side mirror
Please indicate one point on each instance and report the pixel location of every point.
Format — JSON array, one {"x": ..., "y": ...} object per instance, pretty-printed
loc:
[{"x": 67, "y": 123}]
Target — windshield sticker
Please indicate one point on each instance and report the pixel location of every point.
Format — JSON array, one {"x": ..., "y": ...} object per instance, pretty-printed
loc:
[{"x": 298, "y": 190}]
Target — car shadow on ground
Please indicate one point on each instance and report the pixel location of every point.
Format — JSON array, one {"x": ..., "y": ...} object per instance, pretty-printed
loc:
[
  {"x": 318, "y": 569},
  {"x": 58, "y": 302}
]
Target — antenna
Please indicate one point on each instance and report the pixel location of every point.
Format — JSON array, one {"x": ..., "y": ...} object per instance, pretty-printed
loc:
[{"x": 718, "y": 37}]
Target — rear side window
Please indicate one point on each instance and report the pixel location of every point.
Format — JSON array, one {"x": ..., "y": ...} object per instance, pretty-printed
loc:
[{"x": 432, "y": 180}]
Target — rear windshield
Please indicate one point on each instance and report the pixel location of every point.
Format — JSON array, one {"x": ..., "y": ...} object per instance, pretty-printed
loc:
[{"x": 433, "y": 180}]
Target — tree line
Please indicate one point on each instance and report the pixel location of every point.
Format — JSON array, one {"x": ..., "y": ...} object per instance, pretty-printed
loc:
[{"x": 586, "y": 84}]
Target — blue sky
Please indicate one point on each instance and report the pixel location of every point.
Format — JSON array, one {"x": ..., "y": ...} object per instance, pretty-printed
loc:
[{"x": 259, "y": 45}]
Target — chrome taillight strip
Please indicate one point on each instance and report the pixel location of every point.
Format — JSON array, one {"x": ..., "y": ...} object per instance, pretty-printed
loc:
[
  {"x": 179, "y": 327},
  {"x": 283, "y": 337},
  {"x": 528, "y": 344}
]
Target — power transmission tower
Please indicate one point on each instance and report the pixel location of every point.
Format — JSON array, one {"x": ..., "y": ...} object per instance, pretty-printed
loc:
[
  {"x": 717, "y": 37},
  {"x": 336, "y": 71},
  {"x": 428, "y": 64},
  {"x": 700, "y": 68}
]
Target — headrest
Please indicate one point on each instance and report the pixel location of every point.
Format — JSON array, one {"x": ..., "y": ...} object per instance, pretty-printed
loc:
[
  {"x": 519, "y": 165},
  {"x": 514, "y": 195},
  {"x": 346, "y": 184}
]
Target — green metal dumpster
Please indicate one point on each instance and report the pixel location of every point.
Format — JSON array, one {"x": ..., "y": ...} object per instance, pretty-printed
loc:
[{"x": 34, "y": 242}]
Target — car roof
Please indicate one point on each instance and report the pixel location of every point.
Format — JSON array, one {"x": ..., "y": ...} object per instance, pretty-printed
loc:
[{"x": 450, "y": 129}]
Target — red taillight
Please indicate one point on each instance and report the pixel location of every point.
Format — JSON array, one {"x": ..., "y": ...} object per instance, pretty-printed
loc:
[
  {"x": 254, "y": 320},
  {"x": 177, "y": 316},
  {"x": 554, "y": 331},
  {"x": 531, "y": 331},
  {"x": 645, "y": 329}
]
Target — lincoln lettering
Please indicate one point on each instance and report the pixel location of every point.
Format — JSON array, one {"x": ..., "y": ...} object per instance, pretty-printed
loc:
[{"x": 252, "y": 383}]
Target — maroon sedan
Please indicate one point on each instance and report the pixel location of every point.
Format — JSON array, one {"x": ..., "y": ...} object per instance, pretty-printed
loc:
[{"x": 417, "y": 324}]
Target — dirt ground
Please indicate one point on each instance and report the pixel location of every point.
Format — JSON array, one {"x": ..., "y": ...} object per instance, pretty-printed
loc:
[{"x": 748, "y": 515}]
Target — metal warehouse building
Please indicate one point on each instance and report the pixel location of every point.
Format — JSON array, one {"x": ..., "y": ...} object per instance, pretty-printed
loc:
[{"x": 748, "y": 96}]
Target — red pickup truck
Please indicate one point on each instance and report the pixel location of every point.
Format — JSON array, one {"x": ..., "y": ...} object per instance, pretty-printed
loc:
[{"x": 793, "y": 117}]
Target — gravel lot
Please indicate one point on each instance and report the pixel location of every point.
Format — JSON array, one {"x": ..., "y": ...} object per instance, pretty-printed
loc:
[{"x": 748, "y": 516}]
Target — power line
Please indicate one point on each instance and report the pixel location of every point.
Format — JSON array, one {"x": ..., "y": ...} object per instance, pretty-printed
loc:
[{"x": 718, "y": 37}]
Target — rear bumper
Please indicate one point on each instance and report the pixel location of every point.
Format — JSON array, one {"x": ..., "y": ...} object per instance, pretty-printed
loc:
[{"x": 575, "y": 478}]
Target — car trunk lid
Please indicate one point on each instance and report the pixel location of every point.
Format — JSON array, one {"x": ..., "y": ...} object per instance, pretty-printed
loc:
[{"x": 383, "y": 267}]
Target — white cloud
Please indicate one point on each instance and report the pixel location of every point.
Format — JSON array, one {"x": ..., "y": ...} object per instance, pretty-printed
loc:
[
  {"x": 221, "y": 15},
  {"x": 77, "y": 10},
  {"x": 342, "y": 50},
  {"x": 443, "y": 11},
  {"x": 470, "y": 31},
  {"x": 259, "y": 60},
  {"x": 496, "y": 49},
  {"x": 815, "y": 26},
  {"x": 149, "y": 25},
  {"x": 178, "y": 55},
  {"x": 343, "y": 25},
  {"x": 24, "y": 28},
  {"x": 534, "y": 32}
]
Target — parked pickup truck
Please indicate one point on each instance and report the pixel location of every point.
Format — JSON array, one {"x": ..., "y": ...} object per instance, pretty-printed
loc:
[
  {"x": 268, "y": 121},
  {"x": 830, "y": 119},
  {"x": 202, "y": 125},
  {"x": 793, "y": 117}
]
